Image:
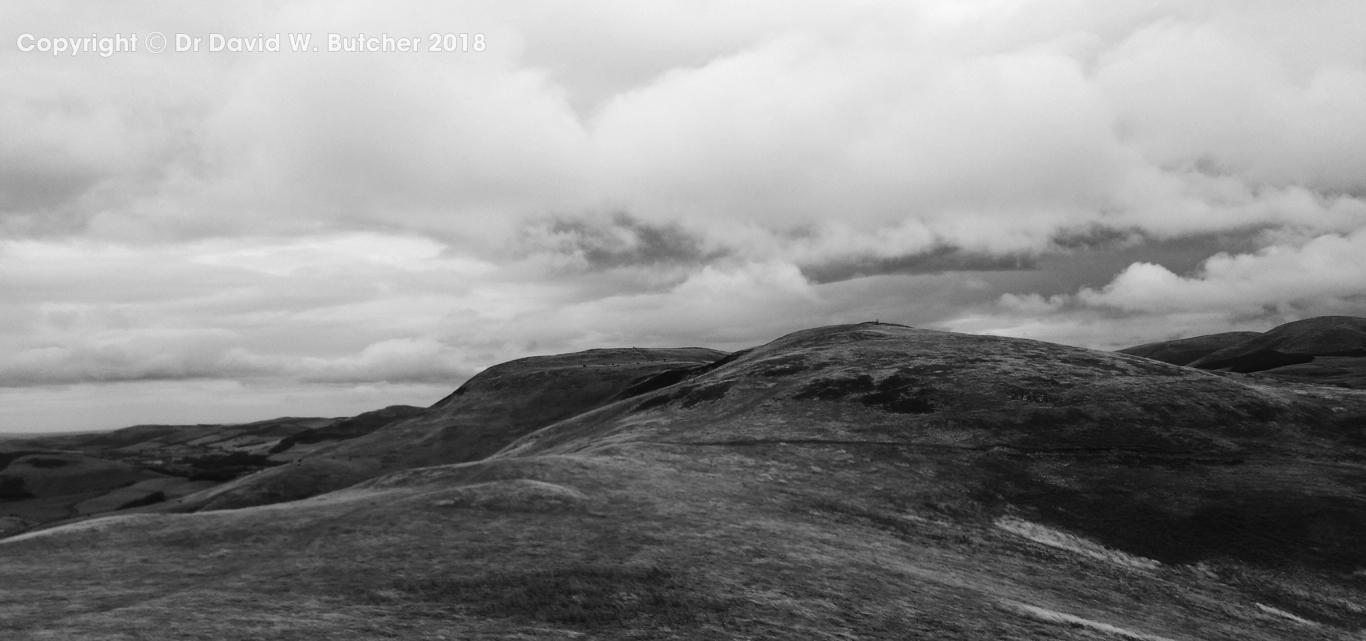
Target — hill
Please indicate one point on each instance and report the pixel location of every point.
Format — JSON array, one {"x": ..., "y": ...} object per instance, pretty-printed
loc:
[
  {"x": 1327, "y": 350},
  {"x": 489, "y": 411},
  {"x": 1187, "y": 350},
  {"x": 1062, "y": 433},
  {"x": 340, "y": 430},
  {"x": 1292, "y": 344},
  {"x": 53, "y": 477},
  {"x": 851, "y": 482}
]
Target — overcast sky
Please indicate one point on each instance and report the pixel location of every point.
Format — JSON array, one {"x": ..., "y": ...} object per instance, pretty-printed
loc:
[{"x": 228, "y": 236}]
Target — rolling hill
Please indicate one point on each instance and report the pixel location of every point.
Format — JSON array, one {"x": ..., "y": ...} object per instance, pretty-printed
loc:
[
  {"x": 1188, "y": 350},
  {"x": 486, "y": 413},
  {"x": 1322, "y": 336},
  {"x": 1327, "y": 350},
  {"x": 53, "y": 477},
  {"x": 866, "y": 481}
]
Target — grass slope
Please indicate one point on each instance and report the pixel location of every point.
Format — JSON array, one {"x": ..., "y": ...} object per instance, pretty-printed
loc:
[
  {"x": 1321, "y": 336},
  {"x": 850, "y": 482},
  {"x": 1328, "y": 350},
  {"x": 54, "y": 477},
  {"x": 1187, "y": 350},
  {"x": 489, "y": 411},
  {"x": 1161, "y": 461}
]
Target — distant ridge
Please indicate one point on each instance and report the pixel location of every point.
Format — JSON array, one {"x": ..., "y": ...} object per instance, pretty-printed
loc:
[
  {"x": 492, "y": 409},
  {"x": 1187, "y": 350},
  {"x": 1327, "y": 350},
  {"x": 1322, "y": 336}
]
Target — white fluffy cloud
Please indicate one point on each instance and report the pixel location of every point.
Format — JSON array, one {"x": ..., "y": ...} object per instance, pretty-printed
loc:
[
  {"x": 655, "y": 173},
  {"x": 1286, "y": 280},
  {"x": 1325, "y": 271}
]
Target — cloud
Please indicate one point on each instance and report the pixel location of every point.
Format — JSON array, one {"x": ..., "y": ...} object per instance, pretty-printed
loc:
[
  {"x": 1324, "y": 272},
  {"x": 989, "y": 127},
  {"x": 1048, "y": 168},
  {"x": 398, "y": 360},
  {"x": 1032, "y": 304},
  {"x": 1192, "y": 92},
  {"x": 598, "y": 243},
  {"x": 1288, "y": 279},
  {"x": 332, "y": 309},
  {"x": 938, "y": 260},
  {"x": 135, "y": 357},
  {"x": 989, "y": 153}
]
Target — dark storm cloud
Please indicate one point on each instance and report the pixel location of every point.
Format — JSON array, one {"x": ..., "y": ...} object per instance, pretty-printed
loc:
[
  {"x": 1093, "y": 265},
  {"x": 1095, "y": 236},
  {"x": 936, "y": 261},
  {"x": 620, "y": 240}
]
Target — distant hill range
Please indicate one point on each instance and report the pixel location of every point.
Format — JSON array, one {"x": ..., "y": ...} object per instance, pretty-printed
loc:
[
  {"x": 862, "y": 481},
  {"x": 1327, "y": 350},
  {"x": 53, "y": 477},
  {"x": 192, "y": 467}
]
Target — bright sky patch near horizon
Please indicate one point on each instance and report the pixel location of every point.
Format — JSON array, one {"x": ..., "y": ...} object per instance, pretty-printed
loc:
[{"x": 206, "y": 236}]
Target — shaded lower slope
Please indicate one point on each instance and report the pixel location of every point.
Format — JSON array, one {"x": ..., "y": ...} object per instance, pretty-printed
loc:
[
  {"x": 1337, "y": 371},
  {"x": 489, "y": 411},
  {"x": 347, "y": 428},
  {"x": 1187, "y": 350},
  {"x": 689, "y": 541}
]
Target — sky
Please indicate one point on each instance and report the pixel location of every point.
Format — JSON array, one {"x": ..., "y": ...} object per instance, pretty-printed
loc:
[{"x": 201, "y": 236}]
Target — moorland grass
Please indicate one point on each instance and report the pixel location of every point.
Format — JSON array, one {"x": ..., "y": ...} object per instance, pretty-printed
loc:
[{"x": 585, "y": 596}]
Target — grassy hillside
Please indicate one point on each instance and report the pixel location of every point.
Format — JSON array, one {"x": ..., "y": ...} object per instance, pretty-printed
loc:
[
  {"x": 1325, "y": 351},
  {"x": 851, "y": 482},
  {"x": 489, "y": 411},
  {"x": 1188, "y": 350},
  {"x": 54, "y": 477}
]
